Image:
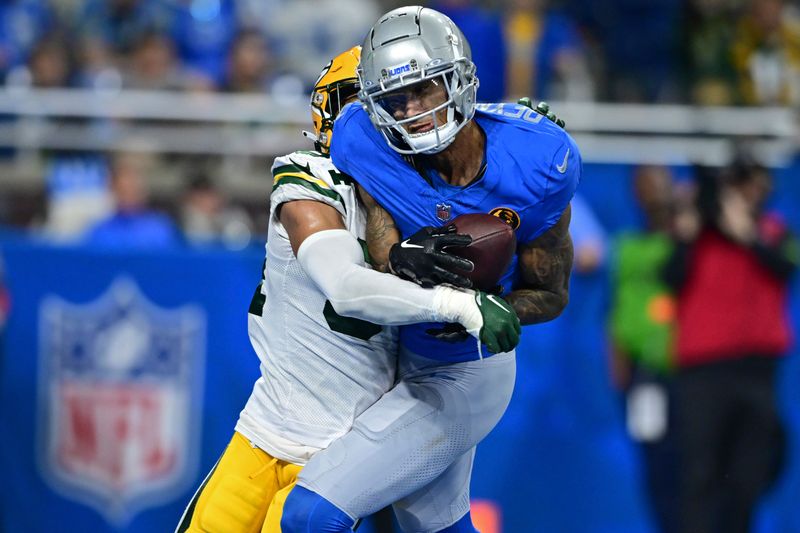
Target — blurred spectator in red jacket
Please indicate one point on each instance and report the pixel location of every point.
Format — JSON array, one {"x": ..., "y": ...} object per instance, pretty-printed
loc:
[{"x": 732, "y": 281}]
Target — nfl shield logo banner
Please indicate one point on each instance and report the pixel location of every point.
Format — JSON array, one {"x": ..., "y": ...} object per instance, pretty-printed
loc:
[{"x": 120, "y": 396}]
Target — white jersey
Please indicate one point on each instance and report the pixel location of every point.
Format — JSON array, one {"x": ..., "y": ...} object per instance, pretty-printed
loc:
[{"x": 319, "y": 370}]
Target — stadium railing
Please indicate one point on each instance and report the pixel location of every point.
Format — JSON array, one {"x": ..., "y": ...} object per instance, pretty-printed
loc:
[{"x": 260, "y": 125}]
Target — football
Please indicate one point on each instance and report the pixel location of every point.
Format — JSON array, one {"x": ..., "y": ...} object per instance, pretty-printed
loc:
[{"x": 491, "y": 250}]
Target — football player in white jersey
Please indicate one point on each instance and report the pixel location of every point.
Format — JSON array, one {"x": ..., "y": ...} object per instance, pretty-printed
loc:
[{"x": 313, "y": 323}]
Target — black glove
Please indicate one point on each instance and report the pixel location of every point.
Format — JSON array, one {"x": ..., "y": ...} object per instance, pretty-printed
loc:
[
  {"x": 449, "y": 333},
  {"x": 420, "y": 257},
  {"x": 543, "y": 108}
]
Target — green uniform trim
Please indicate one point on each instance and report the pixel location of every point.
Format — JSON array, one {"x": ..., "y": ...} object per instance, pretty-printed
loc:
[
  {"x": 288, "y": 179},
  {"x": 187, "y": 518},
  {"x": 311, "y": 153},
  {"x": 353, "y": 327},
  {"x": 257, "y": 302}
]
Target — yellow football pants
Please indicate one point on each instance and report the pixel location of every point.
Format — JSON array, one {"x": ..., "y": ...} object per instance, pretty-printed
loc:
[{"x": 244, "y": 493}]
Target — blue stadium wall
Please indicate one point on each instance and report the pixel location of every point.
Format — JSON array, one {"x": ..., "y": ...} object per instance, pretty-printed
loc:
[{"x": 559, "y": 462}]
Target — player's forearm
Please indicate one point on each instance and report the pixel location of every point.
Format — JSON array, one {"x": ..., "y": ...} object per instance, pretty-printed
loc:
[
  {"x": 388, "y": 300},
  {"x": 546, "y": 293},
  {"x": 545, "y": 266},
  {"x": 536, "y": 306},
  {"x": 333, "y": 259}
]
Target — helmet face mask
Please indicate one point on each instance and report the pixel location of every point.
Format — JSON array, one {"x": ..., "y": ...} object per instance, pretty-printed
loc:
[
  {"x": 436, "y": 121},
  {"x": 418, "y": 81},
  {"x": 335, "y": 87}
]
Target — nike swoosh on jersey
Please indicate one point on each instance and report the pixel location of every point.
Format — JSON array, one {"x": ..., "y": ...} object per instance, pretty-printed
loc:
[
  {"x": 406, "y": 244},
  {"x": 563, "y": 166}
]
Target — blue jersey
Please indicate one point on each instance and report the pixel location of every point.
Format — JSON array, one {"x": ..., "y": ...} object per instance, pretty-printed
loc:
[{"x": 532, "y": 170}]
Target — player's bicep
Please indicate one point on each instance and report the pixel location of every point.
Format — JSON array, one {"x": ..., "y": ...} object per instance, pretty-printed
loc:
[
  {"x": 381, "y": 231},
  {"x": 542, "y": 290},
  {"x": 546, "y": 262},
  {"x": 303, "y": 218}
]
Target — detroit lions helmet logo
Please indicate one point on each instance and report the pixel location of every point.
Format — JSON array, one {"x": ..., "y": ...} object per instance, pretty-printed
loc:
[{"x": 120, "y": 394}]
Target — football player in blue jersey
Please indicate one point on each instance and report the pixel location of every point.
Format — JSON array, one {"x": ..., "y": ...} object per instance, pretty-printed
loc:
[
  {"x": 422, "y": 153},
  {"x": 313, "y": 324}
]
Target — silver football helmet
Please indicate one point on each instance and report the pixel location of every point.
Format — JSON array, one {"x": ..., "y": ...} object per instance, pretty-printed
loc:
[{"x": 417, "y": 79}]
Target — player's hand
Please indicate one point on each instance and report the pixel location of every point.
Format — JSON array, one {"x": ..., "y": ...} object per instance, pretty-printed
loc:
[
  {"x": 501, "y": 328},
  {"x": 421, "y": 258},
  {"x": 543, "y": 108},
  {"x": 492, "y": 320}
]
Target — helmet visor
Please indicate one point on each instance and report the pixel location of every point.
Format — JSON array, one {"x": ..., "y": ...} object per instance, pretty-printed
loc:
[{"x": 416, "y": 106}]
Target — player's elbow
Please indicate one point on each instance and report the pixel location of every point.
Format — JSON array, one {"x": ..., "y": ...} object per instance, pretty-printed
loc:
[
  {"x": 555, "y": 305},
  {"x": 541, "y": 306},
  {"x": 345, "y": 307},
  {"x": 560, "y": 302},
  {"x": 341, "y": 294}
]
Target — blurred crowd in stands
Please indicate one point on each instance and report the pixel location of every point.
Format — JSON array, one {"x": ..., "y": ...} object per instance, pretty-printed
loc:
[
  {"x": 738, "y": 52},
  {"x": 702, "y": 51}
]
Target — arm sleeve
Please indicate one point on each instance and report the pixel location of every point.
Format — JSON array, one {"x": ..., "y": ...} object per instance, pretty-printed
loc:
[{"x": 335, "y": 261}]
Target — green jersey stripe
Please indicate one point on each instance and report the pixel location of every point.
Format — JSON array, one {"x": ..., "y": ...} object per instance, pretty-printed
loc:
[
  {"x": 283, "y": 169},
  {"x": 286, "y": 180}
]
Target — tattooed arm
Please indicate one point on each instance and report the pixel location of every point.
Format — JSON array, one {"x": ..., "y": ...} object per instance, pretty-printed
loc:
[
  {"x": 381, "y": 231},
  {"x": 545, "y": 265}
]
